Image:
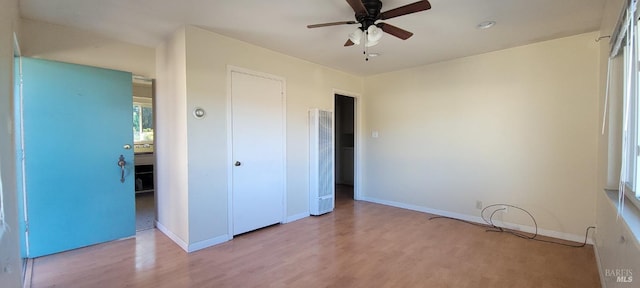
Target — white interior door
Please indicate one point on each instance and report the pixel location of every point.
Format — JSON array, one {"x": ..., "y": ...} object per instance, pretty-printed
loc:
[{"x": 257, "y": 152}]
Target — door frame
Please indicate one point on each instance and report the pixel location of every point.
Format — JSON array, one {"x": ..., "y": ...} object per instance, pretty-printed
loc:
[
  {"x": 22, "y": 183},
  {"x": 231, "y": 69},
  {"x": 18, "y": 118},
  {"x": 357, "y": 139}
]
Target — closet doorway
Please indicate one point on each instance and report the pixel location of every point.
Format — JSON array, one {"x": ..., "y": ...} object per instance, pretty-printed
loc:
[
  {"x": 345, "y": 146},
  {"x": 257, "y": 150}
]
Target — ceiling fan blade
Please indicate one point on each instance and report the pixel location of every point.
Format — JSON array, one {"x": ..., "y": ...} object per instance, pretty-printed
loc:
[
  {"x": 358, "y": 7},
  {"x": 395, "y": 31},
  {"x": 348, "y": 43},
  {"x": 331, "y": 24},
  {"x": 406, "y": 9}
]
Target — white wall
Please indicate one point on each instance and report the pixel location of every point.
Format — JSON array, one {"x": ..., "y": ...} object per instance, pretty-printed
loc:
[
  {"x": 517, "y": 126},
  {"x": 171, "y": 138},
  {"x": 67, "y": 44},
  {"x": 10, "y": 268},
  {"x": 207, "y": 58},
  {"x": 308, "y": 86}
]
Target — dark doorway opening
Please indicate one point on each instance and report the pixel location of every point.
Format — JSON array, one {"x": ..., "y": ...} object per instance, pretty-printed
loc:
[{"x": 344, "y": 146}]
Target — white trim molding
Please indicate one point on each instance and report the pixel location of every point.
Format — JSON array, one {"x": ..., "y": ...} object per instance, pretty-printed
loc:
[
  {"x": 172, "y": 236},
  {"x": 297, "y": 217},
  {"x": 194, "y": 246},
  {"x": 477, "y": 219},
  {"x": 208, "y": 243}
]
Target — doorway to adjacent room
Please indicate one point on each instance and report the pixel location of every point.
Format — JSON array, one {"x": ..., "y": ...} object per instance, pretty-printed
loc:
[
  {"x": 345, "y": 148},
  {"x": 143, "y": 137}
]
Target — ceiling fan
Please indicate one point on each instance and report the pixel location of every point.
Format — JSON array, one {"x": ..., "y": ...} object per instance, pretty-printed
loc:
[{"x": 368, "y": 12}]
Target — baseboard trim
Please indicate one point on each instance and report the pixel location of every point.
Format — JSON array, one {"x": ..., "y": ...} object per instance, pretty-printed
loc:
[
  {"x": 296, "y": 217},
  {"x": 195, "y": 246},
  {"x": 172, "y": 236},
  {"x": 603, "y": 283},
  {"x": 476, "y": 219},
  {"x": 208, "y": 243}
]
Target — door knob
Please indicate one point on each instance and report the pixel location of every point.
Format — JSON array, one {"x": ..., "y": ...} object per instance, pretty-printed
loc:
[
  {"x": 122, "y": 163},
  {"x": 237, "y": 163}
]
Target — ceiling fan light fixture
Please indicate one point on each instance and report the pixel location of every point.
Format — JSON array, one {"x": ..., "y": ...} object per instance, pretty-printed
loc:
[
  {"x": 374, "y": 34},
  {"x": 372, "y": 43},
  {"x": 355, "y": 36},
  {"x": 367, "y": 13}
]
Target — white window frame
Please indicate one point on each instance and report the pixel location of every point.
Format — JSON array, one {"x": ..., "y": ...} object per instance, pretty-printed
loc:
[
  {"x": 143, "y": 102},
  {"x": 628, "y": 42}
]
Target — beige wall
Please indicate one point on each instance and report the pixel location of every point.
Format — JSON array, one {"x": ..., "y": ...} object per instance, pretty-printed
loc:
[
  {"x": 443, "y": 124},
  {"x": 142, "y": 89},
  {"x": 10, "y": 268},
  {"x": 517, "y": 126},
  {"x": 66, "y": 44},
  {"x": 308, "y": 86},
  {"x": 171, "y": 138},
  {"x": 616, "y": 247},
  {"x": 207, "y": 57}
]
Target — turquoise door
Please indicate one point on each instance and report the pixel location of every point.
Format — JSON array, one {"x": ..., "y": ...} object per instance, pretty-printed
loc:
[{"x": 76, "y": 121}]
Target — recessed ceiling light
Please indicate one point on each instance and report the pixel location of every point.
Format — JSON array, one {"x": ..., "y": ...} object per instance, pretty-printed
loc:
[{"x": 486, "y": 25}]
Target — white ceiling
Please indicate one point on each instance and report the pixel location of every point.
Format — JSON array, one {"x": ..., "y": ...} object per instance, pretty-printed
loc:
[{"x": 447, "y": 31}]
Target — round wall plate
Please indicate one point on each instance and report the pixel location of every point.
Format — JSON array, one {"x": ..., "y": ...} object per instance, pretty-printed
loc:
[{"x": 199, "y": 113}]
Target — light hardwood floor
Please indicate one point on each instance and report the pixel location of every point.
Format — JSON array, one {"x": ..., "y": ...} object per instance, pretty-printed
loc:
[
  {"x": 360, "y": 244},
  {"x": 145, "y": 211}
]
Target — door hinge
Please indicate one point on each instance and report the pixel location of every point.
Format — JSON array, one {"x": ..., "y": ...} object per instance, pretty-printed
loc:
[{"x": 26, "y": 227}]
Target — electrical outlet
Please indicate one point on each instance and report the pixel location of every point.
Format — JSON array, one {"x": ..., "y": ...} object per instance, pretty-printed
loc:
[{"x": 478, "y": 204}]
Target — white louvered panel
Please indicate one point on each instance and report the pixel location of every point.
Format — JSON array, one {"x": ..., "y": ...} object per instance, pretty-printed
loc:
[{"x": 321, "y": 178}]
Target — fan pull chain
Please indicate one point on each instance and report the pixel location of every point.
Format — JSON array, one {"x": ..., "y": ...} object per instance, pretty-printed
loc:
[{"x": 366, "y": 38}]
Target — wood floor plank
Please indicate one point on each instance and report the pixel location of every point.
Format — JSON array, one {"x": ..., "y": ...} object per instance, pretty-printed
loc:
[{"x": 360, "y": 244}]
